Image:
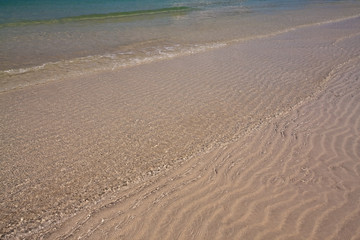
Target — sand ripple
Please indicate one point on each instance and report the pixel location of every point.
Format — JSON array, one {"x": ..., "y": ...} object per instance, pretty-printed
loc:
[{"x": 258, "y": 140}]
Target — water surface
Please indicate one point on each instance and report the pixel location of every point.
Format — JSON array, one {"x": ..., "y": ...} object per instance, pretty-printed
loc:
[{"x": 43, "y": 40}]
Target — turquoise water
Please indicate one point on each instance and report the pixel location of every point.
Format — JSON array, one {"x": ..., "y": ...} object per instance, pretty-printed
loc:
[
  {"x": 43, "y": 40},
  {"x": 13, "y": 11},
  {"x": 34, "y": 10}
]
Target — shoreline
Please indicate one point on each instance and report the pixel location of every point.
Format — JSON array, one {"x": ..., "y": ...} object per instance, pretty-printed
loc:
[
  {"x": 71, "y": 142},
  {"x": 22, "y": 66}
]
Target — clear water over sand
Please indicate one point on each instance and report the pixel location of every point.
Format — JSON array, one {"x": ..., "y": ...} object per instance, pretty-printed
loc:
[{"x": 48, "y": 43}]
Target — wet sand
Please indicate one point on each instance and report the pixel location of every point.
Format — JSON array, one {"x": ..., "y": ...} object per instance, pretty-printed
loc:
[{"x": 256, "y": 140}]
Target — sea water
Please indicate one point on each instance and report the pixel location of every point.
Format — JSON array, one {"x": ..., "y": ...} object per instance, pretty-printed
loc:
[
  {"x": 34, "y": 10},
  {"x": 45, "y": 40}
]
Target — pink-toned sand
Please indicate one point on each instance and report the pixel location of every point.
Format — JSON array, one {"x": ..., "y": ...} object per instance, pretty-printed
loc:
[{"x": 255, "y": 140}]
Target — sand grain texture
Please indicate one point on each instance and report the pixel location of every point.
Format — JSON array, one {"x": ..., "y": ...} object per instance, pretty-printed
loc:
[{"x": 256, "y": 140}]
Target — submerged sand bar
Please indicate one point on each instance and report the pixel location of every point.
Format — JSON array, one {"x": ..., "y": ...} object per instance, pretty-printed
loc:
[{"x": 258, "y": 139}]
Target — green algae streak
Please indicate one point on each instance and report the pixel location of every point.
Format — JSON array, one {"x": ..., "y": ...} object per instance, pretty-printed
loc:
[{"x": 99, "y": 17}]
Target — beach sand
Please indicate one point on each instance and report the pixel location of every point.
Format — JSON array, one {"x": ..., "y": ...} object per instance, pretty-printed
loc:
[{"x": 258, "y": 139}]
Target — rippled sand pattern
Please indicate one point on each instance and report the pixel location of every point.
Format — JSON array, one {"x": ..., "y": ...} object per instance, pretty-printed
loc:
[{"x": 257, "y": 140}]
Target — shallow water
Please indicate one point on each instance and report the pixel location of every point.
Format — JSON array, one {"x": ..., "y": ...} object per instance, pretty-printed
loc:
[
  {"x": 43, "y": 42},
  {"x": 18, "y": 11}
]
